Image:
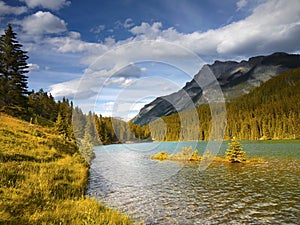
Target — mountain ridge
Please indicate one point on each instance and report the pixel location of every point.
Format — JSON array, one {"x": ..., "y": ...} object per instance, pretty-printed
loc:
[{"x": 234, "y": 78}]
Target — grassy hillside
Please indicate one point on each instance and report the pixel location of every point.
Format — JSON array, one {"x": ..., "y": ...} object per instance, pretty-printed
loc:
[{"x": 43, "y": 179}]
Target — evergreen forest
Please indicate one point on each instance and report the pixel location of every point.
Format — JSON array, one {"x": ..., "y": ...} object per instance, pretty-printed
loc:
[{"x": 270, "y": 111}]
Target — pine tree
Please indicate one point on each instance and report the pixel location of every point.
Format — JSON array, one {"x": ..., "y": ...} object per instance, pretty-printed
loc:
[
  {"x": 61, "y": 126},
  {"x": 86, "y": 146},
  {"x": 90, "y": 128},
  {"x": 79, "y": 123},
  {"x": 13, "y": 67},
  {"x": 43, "y": 105},
  {"x": 64, "y": 120},
  {"x": 235, "y": 153},
  {"x": 102, "y": 130}
]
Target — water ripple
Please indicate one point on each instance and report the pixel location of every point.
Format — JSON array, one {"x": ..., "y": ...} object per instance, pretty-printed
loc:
[{"x": 222, "y": 194}]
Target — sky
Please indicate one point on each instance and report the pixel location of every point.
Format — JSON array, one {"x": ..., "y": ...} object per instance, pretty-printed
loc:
[{"x": 113, "y": 57}]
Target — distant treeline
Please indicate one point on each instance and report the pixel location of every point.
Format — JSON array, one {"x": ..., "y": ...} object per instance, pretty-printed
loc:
[{"x": 106, "y": 130}]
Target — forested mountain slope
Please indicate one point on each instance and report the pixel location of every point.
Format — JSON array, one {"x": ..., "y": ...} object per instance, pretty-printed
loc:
[{"x": 270, "y": 111}]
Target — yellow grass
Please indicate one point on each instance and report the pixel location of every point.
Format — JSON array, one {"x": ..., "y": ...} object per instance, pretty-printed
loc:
[{"x": 43, "y": 179}]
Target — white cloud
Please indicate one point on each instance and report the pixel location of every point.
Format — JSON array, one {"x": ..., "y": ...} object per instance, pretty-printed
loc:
[
  {"x": 47, "y": 4},
  {"x": 43, "y": 23},
  {"x": 129, "y": 71},
  {"x": 70, "y": 89},
  {"x": 261, "y": 32},
  {"x": 108, "y": 106},
  {"x": 241, "y": 4},
  {"x": 98, "y": 29},
  {"x": 118, "y": 24},
  {"x": 145, "y": 28},
  {"x": 110, "y": 41},
  {"x": 128, "y": 23},
  {"x": 74, "y": 35},
  {"x": 6, "y": 9},
  {"x": 273, "y": 26},
  {"x": 123, "y": 54},
  {"x": 72, "y": 43},
  {"x": 33, "y": 66}
]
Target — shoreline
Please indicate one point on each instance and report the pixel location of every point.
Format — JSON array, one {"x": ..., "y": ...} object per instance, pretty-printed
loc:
[
  {"x": 44, "y": 179},
  {"x": 225, "y": 140}
]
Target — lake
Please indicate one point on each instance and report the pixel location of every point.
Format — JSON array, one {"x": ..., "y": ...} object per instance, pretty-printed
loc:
[{"x": 153, "y": 192}]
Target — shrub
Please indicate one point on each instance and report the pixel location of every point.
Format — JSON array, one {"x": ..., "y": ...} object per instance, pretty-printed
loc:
[
  {"x": 187, "y": 154},
  {"x": 235, "y": 153},
  {"x": 160, "y": 156}
]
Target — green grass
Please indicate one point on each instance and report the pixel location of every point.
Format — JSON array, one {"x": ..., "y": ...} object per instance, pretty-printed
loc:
[{"x": 43, "y": 179}]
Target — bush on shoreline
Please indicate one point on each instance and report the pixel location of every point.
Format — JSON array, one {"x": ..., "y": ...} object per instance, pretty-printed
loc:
[{"x": 187, "y": 154}]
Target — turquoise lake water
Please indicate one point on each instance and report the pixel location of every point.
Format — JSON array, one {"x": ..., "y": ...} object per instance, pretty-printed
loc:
[{"x": 124, "y": 177}]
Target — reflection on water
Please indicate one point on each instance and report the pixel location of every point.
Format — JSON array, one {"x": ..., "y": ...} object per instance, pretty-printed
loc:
[{"x": 172, "y": 193}]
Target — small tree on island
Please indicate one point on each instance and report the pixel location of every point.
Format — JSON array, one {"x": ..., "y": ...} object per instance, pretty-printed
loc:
[{"x": 235, "y": 153}]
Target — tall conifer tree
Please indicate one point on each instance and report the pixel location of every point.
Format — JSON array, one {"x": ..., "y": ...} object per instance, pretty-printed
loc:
[{"x": 13, "y": 67}]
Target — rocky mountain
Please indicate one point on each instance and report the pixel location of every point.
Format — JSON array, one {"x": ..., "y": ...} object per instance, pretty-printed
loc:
[{"x": 234, "y": 79}]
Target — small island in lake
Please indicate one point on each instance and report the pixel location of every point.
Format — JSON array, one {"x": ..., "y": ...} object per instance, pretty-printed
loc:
[{"x": 234, "y": 154}]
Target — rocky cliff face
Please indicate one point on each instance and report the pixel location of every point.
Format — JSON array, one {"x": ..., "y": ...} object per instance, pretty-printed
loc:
[{"x": 234, "y": 78}]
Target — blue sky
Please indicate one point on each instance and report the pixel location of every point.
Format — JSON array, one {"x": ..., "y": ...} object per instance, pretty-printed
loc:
[{"x": 112, "y": 57}]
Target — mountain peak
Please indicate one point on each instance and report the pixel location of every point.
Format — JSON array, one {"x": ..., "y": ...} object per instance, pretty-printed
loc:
[{"x": 235, "y": 79}]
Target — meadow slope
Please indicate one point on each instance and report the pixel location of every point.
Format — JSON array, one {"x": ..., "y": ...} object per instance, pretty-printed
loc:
[{"x": 43, "y": 179}]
